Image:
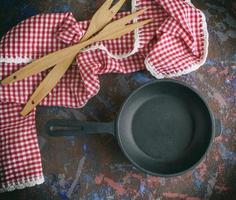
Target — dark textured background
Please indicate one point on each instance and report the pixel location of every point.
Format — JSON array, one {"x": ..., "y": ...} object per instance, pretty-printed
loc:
[{"x": 105, "y": 172}]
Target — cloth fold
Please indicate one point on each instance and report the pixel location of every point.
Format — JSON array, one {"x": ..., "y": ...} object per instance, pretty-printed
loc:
[
  {"x": 70, "y": 31},
  {"x": 175, "y": 43}
]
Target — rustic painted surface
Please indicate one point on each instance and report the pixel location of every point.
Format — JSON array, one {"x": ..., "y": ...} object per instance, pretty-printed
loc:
[{"x": 93, "y": 167}]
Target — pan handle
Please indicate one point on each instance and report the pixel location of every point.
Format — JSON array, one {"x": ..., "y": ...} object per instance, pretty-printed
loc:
[
  {"x": 62, "y": 127},
  {"x": 218, "y": 127}
]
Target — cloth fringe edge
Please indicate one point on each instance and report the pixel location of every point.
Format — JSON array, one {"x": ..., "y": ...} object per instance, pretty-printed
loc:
[
  {"x": 22, "y": 185},
  {"x": 194, "y": 66},
  {"x": 15, "y": 60}
]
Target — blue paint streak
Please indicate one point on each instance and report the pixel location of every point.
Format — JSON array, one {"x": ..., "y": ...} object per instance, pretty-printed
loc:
[
  {"x": 141, "y": 77},
  {"x": 234, "y": 57},
  {"x": 60, "y": 188},
  {"x": 96, "y": 197},
  {"x": 210, "y": 62},
  {"x": 233, "y": 82},
  {"x": 62, "y": 8},
  {"x": 101, "y": 194},
  {"x": 87, "y": 178},
  {"x": 67, "y": 185},
  {"x": 55, "y": 109},
  {"x": 63, "y": 196},
  {"x": 226, "y": 155},
  {"x": 196, "y": 180},
  {"x": 85, "y": 148},
  {"x": 142, "y": 188},
  {"x": 105, "y": 190}
]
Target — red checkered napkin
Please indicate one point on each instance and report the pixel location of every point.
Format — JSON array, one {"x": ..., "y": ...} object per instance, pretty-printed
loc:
[{"x": 174, "y": 43}]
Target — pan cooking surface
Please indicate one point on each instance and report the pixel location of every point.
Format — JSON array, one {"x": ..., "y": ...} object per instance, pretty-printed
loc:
[{"x": 164, "y": 128}]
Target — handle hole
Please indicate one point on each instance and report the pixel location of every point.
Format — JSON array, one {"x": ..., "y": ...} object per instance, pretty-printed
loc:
[
  {"x": 14, "y": 77},
  {"x": 32, "y": 102}
]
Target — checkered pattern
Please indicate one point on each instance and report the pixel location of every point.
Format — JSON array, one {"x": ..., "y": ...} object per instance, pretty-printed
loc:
[{"x": 173, "y": 44}]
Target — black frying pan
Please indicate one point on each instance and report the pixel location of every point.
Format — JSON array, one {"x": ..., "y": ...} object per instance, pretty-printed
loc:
[{"x": 164, "y": 128}]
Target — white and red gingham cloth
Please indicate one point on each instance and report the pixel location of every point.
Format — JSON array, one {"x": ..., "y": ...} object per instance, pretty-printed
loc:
[{"x": 174, "y": 43}]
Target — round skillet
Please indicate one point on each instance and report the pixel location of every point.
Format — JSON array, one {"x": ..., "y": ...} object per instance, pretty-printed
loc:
[{"x": 164, "y": 128}]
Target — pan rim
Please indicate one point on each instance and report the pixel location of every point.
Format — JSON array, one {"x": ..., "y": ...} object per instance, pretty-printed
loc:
[{"x": 181, "y": 83}]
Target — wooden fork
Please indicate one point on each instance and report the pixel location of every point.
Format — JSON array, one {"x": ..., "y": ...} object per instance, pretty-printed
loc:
[
  {"x": 101, "y": 18},
  {"x": 112, "y": 31},
  {"x": 63, "y": 58}
]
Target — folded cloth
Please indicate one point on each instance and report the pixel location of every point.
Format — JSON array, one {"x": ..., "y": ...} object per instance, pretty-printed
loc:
[{"x": 175, "y": 43}]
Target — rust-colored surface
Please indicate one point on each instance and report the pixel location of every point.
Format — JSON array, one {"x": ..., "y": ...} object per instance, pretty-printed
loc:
[{"x": 95, "y": 163}]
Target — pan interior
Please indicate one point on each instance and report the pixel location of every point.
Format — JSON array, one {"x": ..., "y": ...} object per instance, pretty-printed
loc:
[{"x": 164, "y": 128}]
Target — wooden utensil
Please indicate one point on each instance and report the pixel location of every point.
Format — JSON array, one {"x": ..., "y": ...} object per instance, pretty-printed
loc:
[
  {"x": 62, "y": 59},
  {"x": 102, "y": 16},
  {"x": 111, "y": 31}
]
